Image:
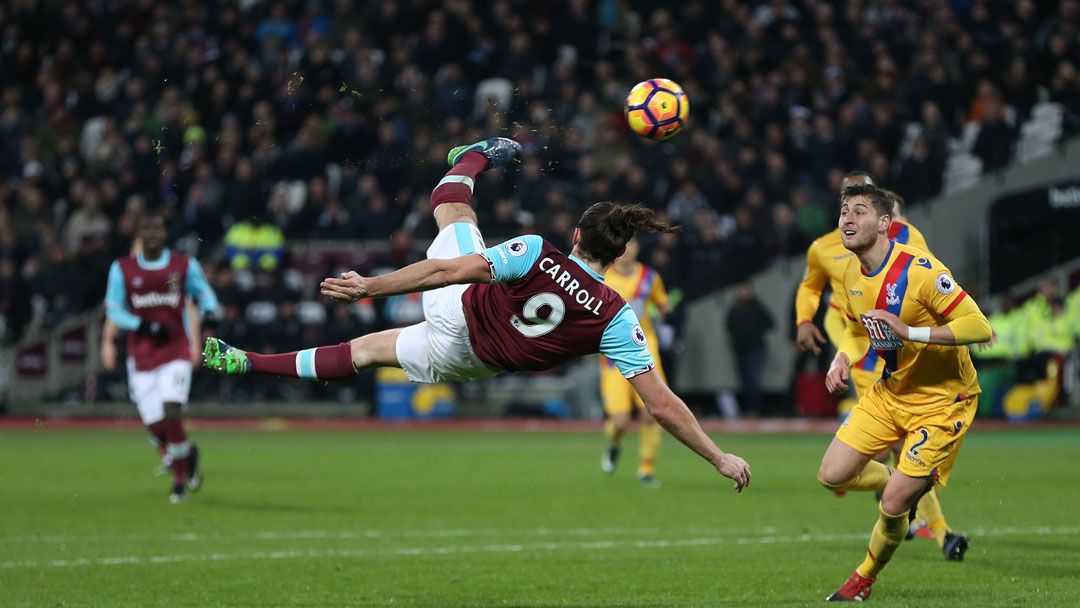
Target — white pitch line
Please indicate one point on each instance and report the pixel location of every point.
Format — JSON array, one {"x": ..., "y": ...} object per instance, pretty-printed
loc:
[
  {"x": 511, "y": 548},
  {"x": 346, "y": 534}
]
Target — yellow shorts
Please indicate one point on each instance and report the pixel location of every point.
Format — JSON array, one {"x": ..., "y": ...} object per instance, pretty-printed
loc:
[
  {"x": 616, "y": 392},
  {"x": 931, "y": 440}
]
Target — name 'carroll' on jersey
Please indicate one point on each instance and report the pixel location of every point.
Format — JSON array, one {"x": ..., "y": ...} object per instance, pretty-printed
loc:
[{"x": 544, "y": 308}]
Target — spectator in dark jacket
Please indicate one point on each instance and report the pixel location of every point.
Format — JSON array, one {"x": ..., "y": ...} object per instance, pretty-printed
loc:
[{"x": 747, "y": 323}]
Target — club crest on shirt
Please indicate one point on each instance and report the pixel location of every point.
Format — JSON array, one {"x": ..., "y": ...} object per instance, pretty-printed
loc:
[
  {"x": 945, "y": 283},
  {"x": 638, "y": 335},
  {"x": 517, "y": 248},
  {"x": 891, "y": 299}
]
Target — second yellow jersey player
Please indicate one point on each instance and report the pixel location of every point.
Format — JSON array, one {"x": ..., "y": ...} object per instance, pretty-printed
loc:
[{"x": 643, "y": 290}]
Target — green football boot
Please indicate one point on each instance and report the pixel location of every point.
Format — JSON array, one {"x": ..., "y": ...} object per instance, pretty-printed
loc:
[
  {"x": 225, "y": 359},
  {"x": 499, "y": 151}
]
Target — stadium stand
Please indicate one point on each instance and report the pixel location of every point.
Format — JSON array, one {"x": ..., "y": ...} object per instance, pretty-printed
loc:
[{"x": 327, "y": 122}]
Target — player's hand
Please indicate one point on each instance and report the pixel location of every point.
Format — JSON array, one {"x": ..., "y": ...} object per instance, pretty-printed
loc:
[
  {"x": 993, "y": 340},
  {"x": 898, "y": 327},
  {"x": 839, "y": 372},
  {"x": 154, "y": 329},
  {"x": 808, "y": 336},
  {"x": 733, "y": 467},
  {"x": 349, "y": 288},
  {"x": 108, "y": 355}
]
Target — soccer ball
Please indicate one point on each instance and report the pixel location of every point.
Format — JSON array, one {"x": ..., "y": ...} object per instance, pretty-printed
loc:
[{"x": 657, "y": 108}]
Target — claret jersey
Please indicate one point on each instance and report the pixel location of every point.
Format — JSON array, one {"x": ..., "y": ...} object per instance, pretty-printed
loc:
[
  {"x": 155, "y": 291},
  {"x": 544, "y": 308}
]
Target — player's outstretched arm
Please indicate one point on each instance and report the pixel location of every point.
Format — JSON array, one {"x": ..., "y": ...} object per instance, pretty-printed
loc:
[
  {"x": 421, "y": 276},
  {"x": 672, "y": 414}
]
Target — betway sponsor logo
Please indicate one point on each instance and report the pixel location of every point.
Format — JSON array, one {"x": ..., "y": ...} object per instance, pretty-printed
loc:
[
  {"x": 155, "y": 299},
  {"x": 1064, "y": 198}
]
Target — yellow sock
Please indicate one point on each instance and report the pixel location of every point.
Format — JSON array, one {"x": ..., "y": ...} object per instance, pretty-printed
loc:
[
  {"x": 613, "y": 434},
  {"x": 650, "y": 447},
  {"x": 929, "y": 510},
  {"x": 888, "y": 534},
  {"x": 873, "y": 477}
]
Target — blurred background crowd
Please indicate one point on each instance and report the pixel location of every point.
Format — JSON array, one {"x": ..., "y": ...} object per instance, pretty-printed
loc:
[{"x": 266, "y": 130}]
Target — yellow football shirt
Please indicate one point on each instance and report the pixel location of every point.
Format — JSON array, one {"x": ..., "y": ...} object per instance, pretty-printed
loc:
[
  {"x": 642, "y": 286},
  {"x": 918, "y": 288}
]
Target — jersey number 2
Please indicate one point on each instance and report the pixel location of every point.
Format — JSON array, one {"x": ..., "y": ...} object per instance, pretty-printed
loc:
[{"x": 534, "y": 326}]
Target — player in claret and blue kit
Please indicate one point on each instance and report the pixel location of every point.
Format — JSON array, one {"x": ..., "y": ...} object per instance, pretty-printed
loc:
[
  {"x": 146, "y": 296},
  {"x": 522, "y": 305}
]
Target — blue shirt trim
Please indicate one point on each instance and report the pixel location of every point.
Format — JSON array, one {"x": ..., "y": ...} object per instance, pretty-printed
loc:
[
  {"x": 513, "y": 259},
  {"x": 618, "y": 345},
  {"x": 883, "y": 262},
  {"x": 157, "y": 264},
  {"x": 116, "y": 308}
]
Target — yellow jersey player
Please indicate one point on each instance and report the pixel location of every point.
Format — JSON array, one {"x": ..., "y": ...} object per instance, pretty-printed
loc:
[
  {"x": 914, "y": 315},
  {"x": 867, "y": 370},
  {"x": 640, "y": 286}
]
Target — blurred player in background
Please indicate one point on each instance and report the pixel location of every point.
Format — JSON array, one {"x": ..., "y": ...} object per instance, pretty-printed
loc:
[
  {"x": 109, "y": 333},
  {"x": 910, "y": 310},
  {"x": 146, "y": 296},
  {"x": 643, "y": 289},
  {"x": 521, "y": 305}
]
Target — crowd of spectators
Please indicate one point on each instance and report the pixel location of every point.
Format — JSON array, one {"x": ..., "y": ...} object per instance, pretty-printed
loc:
[{"x": 331, "y": 119}]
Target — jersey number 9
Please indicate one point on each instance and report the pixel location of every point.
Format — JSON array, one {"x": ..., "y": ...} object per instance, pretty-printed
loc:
[{"x": 534, "y": 326}]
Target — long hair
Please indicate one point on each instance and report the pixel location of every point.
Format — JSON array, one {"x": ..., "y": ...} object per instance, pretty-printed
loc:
[{"x": 607, "y": 227}]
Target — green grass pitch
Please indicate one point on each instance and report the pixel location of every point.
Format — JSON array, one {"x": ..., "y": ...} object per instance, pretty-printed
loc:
[{"x": 509, "y": 519}]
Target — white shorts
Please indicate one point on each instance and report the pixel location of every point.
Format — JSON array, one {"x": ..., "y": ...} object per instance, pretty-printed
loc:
[
  {"x": 438, "y": 350},
  {"x": 151, "y": 390}
]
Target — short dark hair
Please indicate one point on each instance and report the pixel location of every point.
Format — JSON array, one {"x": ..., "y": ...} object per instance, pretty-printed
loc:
[
  {"x": 898, "y": 203},
  {"x": 606, "y": 228},
  {"x": 874, "y": 195}
]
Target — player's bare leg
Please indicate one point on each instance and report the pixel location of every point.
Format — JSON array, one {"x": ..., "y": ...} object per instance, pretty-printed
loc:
[
  {"x": 375, "y": 350},
  {"x": 845, "y": 468}
]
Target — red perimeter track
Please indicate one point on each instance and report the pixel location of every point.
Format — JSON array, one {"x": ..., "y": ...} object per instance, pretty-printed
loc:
[{"x": 778, "y": 425}]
